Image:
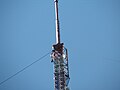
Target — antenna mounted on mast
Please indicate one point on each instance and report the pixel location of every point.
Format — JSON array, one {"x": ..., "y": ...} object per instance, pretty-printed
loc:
[
  {"x": 57, "y": 22},
  {"x": 59, "y": 57},
  {"x": 58, "y": 46}
]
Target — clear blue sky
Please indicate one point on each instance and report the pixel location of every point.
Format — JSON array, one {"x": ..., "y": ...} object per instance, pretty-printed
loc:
[{"x": 90, "y": 30}]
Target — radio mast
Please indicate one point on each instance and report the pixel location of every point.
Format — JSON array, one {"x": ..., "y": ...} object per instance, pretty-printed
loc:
[{"x": 59, "y": 57}]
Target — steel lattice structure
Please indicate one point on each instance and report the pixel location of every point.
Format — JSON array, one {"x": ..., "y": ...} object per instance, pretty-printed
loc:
[{"x": 59, "y": 57}]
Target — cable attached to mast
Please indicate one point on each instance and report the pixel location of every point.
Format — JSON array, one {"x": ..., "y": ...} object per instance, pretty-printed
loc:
[{"x": 10, "y": 77}]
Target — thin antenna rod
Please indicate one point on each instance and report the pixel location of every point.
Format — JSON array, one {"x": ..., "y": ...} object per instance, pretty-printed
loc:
[{"x": 57, "y": 22}]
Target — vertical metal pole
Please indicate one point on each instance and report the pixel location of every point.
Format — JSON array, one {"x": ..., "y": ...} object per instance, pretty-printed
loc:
[{"x": 57, "y": 22}]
